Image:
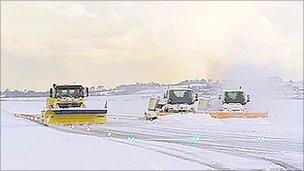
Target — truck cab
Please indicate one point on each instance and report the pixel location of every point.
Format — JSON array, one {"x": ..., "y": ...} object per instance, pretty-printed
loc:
[
  {"x": 66, "y": 96},
  {"x": 179, "y": 96},
  {"x": 233, "y": 100},
  {"x": 179, "y": 100}
]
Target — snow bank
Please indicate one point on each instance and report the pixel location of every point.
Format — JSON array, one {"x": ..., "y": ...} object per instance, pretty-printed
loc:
[{"x": 187, "y": 120}]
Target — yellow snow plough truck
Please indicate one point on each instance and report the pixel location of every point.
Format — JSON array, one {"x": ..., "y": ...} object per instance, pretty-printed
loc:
[
  {"x": 65, "y": 106},
  {"x": 233, "y": 105}
]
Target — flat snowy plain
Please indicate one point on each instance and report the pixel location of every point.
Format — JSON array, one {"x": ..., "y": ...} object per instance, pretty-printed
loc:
[{"x": 181, "y": 141}]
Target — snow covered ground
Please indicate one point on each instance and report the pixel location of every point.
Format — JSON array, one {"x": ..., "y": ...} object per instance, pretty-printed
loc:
[{"x": 182, "y": 141}]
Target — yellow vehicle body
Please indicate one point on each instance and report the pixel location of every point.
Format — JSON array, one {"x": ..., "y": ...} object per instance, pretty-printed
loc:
[
  {"x": 54, "y": 103},
  {"x": 73, "y": 117}
]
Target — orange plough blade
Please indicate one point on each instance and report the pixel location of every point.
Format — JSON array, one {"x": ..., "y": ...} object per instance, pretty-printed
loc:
[
  {"x": 162, "y": 113},
  {"x": 170, "y": 113},
  {"x": 227, "y": 114}
]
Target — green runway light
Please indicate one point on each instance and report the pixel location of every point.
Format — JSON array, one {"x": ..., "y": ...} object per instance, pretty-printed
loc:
[{"x": 131, "y": 137}]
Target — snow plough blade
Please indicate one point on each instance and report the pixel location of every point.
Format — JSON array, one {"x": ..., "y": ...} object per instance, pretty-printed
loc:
[
  {"x": 73, "y": 116},
  {"x": 228, "y": 114}
]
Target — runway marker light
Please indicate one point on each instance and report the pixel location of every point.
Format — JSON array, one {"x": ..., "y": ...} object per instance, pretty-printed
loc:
[
  {"x": 261, "y": 138},
  {"x": 131, "y": 137},
  {"x": 195, "y": 139},
  {"x": 109, "y": 134},
  {"x": 88, "y": 130}
]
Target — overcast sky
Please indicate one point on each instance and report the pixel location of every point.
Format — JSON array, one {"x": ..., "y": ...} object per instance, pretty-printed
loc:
[{"x": 110, "y": 43}]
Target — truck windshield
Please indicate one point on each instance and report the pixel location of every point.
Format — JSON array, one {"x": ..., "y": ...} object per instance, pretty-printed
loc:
[
  {"x": 180, "y": 97},
  {"x": 69, "y": 92},
  {"x": 234, "y": 97}
]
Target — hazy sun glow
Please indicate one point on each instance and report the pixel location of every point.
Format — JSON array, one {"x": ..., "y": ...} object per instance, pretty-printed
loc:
[{"x": 110, "y": 43}]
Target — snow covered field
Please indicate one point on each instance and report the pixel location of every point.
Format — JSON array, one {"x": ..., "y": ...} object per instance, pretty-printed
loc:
[{"x": 183, "y": 141}]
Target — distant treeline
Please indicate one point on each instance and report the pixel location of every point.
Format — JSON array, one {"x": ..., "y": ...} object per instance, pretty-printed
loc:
[
  {"x": 29, "y": 93},
  {"x": 95, "y": 91},
  {"x": 206, "y": 86}
]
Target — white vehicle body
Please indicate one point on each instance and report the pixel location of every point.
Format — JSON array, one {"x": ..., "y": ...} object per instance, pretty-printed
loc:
[
  {"x": 233, "y": 100},
  {"x": 233, "y": 107},
  {"x": 178, "y": 108},
  {"x": 175, "y": 100}
]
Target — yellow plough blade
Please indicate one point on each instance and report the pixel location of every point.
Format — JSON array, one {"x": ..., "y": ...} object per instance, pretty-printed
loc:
[
  {"x": 227, "y": 114},
  {"x": 71, "y": 117}
]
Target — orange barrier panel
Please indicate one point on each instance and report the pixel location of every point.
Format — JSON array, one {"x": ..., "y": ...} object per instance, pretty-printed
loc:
[
  {"x": 224, "y": 114},
  {"x": 170, "y": 113},
  {"x": 162, "y": 114}
]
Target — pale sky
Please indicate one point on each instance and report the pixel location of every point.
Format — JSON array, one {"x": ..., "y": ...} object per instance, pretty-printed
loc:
[{"x": 112, "y": 43}]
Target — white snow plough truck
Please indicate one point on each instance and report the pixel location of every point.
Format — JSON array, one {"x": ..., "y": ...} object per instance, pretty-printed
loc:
[
  {"x": 175, "y": 100},
  {"x": 181, "y": 100},
  {"x": 233, "y": 105}
]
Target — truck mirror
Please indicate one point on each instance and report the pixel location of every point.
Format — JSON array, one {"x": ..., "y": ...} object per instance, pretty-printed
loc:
[
  {"x": 219, "y": 97},
  {"x": 87, "y": 91},
  {"x": 106, "y": 104},
  {"x": 248, "y": 98},
  {"x": 165, "y": 95},
  {"x": 196, "y": 97},
  {"x": 51, "y": 92}
]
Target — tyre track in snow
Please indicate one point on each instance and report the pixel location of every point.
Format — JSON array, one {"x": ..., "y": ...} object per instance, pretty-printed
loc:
[
  {"x": 276, "y": 162},
  {"x": 251, "y": 154},
  {"x": 245, "y": 152},
  {"x": 227, "y": 149},
  {"x": 209, "y": 133},
  {"x": 242, "y": 140},
  {"x": 230, "y": 150},
  {"x": 122, "y": 135},
  {"x": 209, "y": 147},
  {"x": 235, "y": 151},
  {"x": 212, "y": 165},
  {"x": 221, "y": 134}
]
